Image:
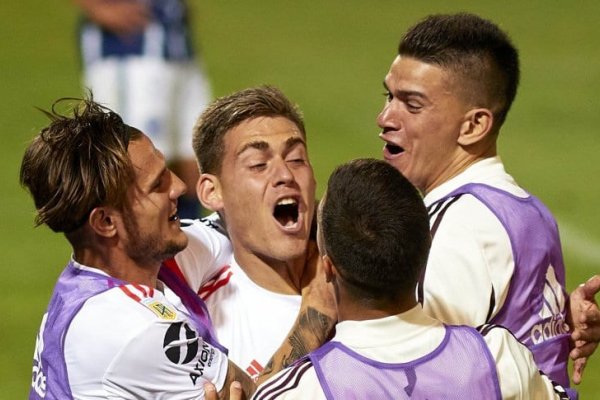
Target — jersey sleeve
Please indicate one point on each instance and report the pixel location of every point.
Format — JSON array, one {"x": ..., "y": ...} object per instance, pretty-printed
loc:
[
  {"x": 296, "y": 382},
  {"x": 208, "y": 250},
  {"x": 469, "y": 267},
  {"x": 518, "y": 375},
  {"x": 165, "y": 360}
]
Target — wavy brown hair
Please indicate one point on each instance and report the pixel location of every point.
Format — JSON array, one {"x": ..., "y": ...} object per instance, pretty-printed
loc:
[{"x": 78, "y": 162}]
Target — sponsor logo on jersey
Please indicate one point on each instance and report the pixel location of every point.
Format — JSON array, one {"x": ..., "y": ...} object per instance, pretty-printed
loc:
[
  {"x": 182, "y": 345},
  {"x": 551, "y": 312}
]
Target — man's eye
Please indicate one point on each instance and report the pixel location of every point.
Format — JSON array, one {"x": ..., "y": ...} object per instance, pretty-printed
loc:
[
  {"x": 297, "y": 160},
  {"x": 258, "y": 166},
  {"x": 413, "y": 107},
  {"x": 388, "y": 95}
]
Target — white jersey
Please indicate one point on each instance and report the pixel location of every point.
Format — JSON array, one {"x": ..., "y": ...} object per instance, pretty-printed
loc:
[
  {"x": 250, "y": 321},
  {"x": 472, "y": 240},
  {"x": 404, "y": 338},
  {"x": 136, "y": 342}
]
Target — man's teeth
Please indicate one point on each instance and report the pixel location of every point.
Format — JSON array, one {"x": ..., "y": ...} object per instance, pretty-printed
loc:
[{"x": 285, "y": 202}]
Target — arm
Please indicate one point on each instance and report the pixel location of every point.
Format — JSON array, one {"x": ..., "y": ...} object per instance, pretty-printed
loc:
[
  {"x": 238, "y": 384},
  {"x": 156, "y": 361},
  {"x": 518, "y": 375},
  {"x": 315, "y": 321},
  {"x": 121, "y": 17},
  {"x": 469, "y": 267},
  {"x": 584, "y": 320},
  {"x": 208, "y": 250}
]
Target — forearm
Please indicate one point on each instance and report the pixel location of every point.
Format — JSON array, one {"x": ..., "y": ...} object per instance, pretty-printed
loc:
[
  {"x": 311, "y": 329},
  {"x": 235, "y": 374}
]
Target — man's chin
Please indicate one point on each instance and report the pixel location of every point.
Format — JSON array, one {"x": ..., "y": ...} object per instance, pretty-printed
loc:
[{"x": 172, "y": 248}]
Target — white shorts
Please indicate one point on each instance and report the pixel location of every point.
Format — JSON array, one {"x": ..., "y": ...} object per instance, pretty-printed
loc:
[{"x": 162, "y": 99}]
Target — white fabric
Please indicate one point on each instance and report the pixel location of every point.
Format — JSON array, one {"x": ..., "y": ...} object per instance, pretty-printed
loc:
[
  {"x": 114, "y": 348},
  {"x": 250, "y": 321},
  {"x": 207, "y": 251},
  {"x": 472, "y": 240},
  {"x": 161, "y": 98},
  {"x": 410, "y": 335}
]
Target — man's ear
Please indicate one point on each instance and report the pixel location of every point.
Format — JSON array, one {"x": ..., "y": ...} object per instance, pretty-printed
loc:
[
  {"x": 103, "y": 222},
  {"x": 476, "y": 127},
  {"x": 329, "y": 269},
  {"x": 208, "y": 190}
]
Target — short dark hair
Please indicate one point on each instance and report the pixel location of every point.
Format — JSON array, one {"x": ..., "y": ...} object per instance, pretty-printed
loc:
[
  {"x": 78, "y": 162},
  {"x": 375, "y": 228},
  {"x": 229, "y": 111},
  {"x": 474, "y": 48}
]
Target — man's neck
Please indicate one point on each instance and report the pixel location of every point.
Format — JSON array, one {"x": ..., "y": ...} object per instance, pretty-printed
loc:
[
  {"x": 463, "y": 161},
  {"x": 118, "y": 265},
  {"x": 277, "y": 276},
  {"x": 352, "y": 309}
]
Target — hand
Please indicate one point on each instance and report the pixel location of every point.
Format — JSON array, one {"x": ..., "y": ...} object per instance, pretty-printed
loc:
[
  {"x": 235, "y": 392},
  {"x": 585, "y": 324},
  {"x": 316, "y": 318},
  {"x": 120, "y": 17},
  {"x": 316, "y": 291}
]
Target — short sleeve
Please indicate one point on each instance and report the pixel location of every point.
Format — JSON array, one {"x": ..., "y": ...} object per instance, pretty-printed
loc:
[
  {"x": 470, "y": 265},
  {"x": 518, "y": 375},
  {"x": 208, "y": 250},
  {"x": 167, "y": 360}
]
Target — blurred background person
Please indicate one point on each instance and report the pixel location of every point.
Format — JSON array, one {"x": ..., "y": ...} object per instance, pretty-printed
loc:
[{"x": 137, "y": 58}]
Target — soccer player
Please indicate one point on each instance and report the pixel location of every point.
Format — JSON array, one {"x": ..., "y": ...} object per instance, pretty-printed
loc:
[
  {"x": 374, "y": 238},
  {"x": 112, "y": 329},
  {"x": 138, "y": 59},
  {"x": 496, "y": 255},
  {"x": 255, "y": 172}
]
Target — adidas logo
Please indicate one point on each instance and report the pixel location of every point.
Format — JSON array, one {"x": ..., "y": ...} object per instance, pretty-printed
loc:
[{"x": 551, "y": 311}]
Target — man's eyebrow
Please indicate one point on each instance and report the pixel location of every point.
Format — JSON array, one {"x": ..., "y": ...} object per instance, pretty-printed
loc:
[
  {"x": 293, "y": 141},
  {"x": 405, "y": 93},
  {"x": 257, "y": 144}
]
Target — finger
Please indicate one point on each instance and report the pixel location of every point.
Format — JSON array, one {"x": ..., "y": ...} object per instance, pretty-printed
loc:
[
  {"x": 583, "y": 351},
  {"x": 578, "y": 367},
  {"x": 587, "y": 333},
  {"x": 210, "y": 391},
  {"x": 235, "y": 391},
  {"x": 591, "y": 287}
]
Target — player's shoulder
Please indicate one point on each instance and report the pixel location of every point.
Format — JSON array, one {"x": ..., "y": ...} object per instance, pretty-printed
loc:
[
  {"x": 498, "y": 338},
  {"x": 128, "y": 307},
  {"x": 211, "y": 224},
  {"x": 464, "y": 215}
]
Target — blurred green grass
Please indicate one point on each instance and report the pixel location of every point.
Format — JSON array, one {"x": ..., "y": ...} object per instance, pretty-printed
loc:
[{"x": 330, "y": 57}]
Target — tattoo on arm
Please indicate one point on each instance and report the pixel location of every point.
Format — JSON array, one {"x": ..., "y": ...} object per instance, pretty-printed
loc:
[{"x": 311, "y": 330}]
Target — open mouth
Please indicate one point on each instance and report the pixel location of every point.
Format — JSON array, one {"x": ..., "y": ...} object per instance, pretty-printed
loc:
[
  {"x": 286, "y": 212},
  {"x": 393, "y": 149}
]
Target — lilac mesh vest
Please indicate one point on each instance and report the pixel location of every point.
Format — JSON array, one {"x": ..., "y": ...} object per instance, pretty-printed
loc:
[
  {"x": 461, "y": 367},
  {"x": 74, "y": 287},
  {"x": 535, "y": 307}
]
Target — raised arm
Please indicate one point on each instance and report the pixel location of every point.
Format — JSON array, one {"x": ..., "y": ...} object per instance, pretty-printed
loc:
[{"x": 315, "y": 322}]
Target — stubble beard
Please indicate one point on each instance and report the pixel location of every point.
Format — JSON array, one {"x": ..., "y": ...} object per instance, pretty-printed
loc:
[{"x": 149, "y": 249}]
